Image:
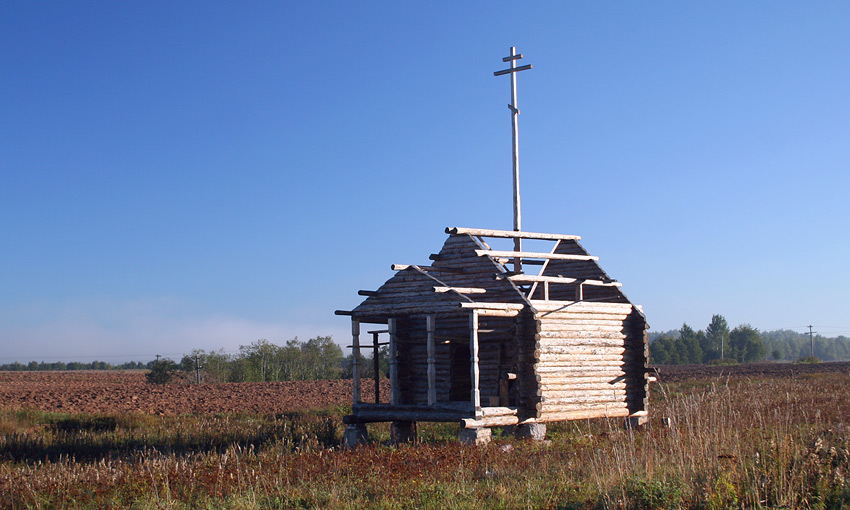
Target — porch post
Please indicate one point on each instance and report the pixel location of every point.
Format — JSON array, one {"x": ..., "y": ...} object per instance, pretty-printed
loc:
[
  {"x": 355, "y": 371},
  {"x": 432, "y": 372},
  {"x": 394, "y": 395},
  {"x": 473, "y": 358}
]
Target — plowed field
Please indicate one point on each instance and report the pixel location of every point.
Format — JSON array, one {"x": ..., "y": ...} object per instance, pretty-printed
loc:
[
  {"x": 127, "y": 391},
  {"x": 677, "y": 373}
]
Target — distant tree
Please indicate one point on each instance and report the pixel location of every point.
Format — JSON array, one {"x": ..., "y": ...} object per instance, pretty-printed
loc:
[
  {"x": 260, "y": 356},
  {"x": 161, "y": 372},
  {"x": 717, "y": 335},
  {"x": 776, "y": 354},
  {"x": 746, "y": 344},
  {"x": 324, "y": 356},
  {"x": 663, "y": 351},
  {"x": 691, "y": 342}
]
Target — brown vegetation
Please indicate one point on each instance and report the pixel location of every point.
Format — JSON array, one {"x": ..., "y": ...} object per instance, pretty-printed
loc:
[
  {"x": 742, "y": 441},
  {"x": 127, "y": 391}
]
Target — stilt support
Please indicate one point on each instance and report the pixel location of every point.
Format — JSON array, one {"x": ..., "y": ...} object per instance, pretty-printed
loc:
[
  {"x": 533, "y": 431},
  {"x": 480, "y": 436},
  {"x": 355, "y": 435},
  {"x": 635, "y": 422},
  {"x": 403, "y": 432}
]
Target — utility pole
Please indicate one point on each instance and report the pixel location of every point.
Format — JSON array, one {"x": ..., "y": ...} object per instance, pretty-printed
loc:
[
  {"x": 157, "y": 358},
  {"x": 812, "y": 339},
  {"x": 197, "y": 370},
  {"x": 512, "y": 58}
]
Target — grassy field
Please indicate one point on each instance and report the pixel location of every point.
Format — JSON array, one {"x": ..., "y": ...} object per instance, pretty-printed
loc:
[{"x": 735, "y": 443}]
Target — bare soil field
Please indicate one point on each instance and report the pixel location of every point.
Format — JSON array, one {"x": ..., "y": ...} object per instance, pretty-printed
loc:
[
  {"x": 676, "y": 373},
  {"x": 126, "y": 391}
]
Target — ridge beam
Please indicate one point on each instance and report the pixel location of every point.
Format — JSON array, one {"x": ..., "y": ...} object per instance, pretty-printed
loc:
[
  {"x": 560, "y": 279},
  {"x": 511, "y": 234},
  {"x": 534, "y": 255}
]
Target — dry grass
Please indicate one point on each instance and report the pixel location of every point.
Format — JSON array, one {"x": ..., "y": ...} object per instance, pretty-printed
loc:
[{"x": 740, "y": 443}]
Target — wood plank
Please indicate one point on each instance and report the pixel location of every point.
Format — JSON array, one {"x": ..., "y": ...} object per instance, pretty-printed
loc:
[
  {"x": 493, "y": 306},
  {"x": 530, "y": 278},
  {"x": 461, "y": 290},
  {"x": 511, "y": 234},
  {"x": 533, "y": 255},
  {"x": 581, "y": 414}
]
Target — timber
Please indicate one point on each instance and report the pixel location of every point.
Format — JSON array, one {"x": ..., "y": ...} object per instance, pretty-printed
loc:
[
  {"x": 533, "y": 255},
  {"x": 476, "y": 341},
  {"x": 560, "y": 279},
  {"x": 512, "y": 234}
]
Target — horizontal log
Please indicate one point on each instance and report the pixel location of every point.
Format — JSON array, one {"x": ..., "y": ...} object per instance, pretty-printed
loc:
[
  {"x": 564, "y": 373},
  {"x": 586, "y": 396},
  {"x": 495, "y": 421},
  {"x": 580, "y": 414},
  {"x": 564, "y": 325},
  {"x": 584, "y": 359},
  {"x": 586, "y": 328},
  {"x": 533, "y": 255},
  {"x": 584, "y": 306},
  {"x": 579, "y": 406},
  {"x": 461, "y": 290},
  {"x": 427, "y": 269},
  {"x": 568, "y": 382},
  {"x": 505, "y": 234},
  {"x": 576, "y": 337},
  {"x": 493, "y": 306},
  {"x": 521, "y": 278},
  {"x": 577, "y": 346},
  {"x": 488, "y": 412},
  {"x": 580, "y": 389}
]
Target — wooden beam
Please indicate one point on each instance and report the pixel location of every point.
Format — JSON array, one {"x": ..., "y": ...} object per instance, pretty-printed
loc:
[
  {"x": 557, "y": 279},
  {"x": 493, "y": 306},
  {"x": 534, "y": 255},
  {"x": 343, "y": 312},
  {"x": 430, "y": 326},
  {"x": 355, "y": 372},
  {"x": 402, "y": 267},
  {"x": 461, "y": 290},
  {"x": 394, "y": 390},
  {"x": 368, "y": 293},
  {"x": 473, "y": 359},
  {"x": 510, "y": 234}
]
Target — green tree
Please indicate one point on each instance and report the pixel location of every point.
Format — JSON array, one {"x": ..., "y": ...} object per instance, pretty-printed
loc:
[
  {"x": 161, "y": 372},
  {"x": 324, "y": 356},
  {"x": 746, "y": 344},
  {"x": 717, "y": 336},
  {"x": 260, "y": 356},
  {"x": 691, "y": 342}
]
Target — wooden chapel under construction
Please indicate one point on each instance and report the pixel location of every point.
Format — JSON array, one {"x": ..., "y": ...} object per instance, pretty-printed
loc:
[
  {"x": 475, "y": 342},
  {"x": 477, "y": 339}
]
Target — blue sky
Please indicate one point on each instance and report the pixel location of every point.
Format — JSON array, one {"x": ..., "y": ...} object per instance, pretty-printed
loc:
[{"x": 204, "y": 174}]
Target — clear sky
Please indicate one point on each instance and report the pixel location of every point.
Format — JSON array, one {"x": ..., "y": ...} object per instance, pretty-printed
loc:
[{"x": 179, "y": 175}]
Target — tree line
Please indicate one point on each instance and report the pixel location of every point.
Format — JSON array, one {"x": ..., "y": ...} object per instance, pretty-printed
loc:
[
  {"x": 264, "y": 361},
  {"x": 742, "y": 344},
  {"x": 75, "y": 365}
]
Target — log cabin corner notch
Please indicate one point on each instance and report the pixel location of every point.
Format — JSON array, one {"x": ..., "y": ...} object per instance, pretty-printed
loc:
[{"x": 474, "y": 342}]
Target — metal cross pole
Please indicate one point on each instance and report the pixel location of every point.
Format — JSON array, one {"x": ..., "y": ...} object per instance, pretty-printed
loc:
[{"x": 512, "y": 58}]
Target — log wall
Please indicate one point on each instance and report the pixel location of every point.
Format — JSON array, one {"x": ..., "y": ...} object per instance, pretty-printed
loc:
[{"x": 589, "y": 360}]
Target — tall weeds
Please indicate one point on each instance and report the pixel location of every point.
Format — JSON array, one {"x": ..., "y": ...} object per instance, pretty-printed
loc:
[{"x": 734, "y": 443}]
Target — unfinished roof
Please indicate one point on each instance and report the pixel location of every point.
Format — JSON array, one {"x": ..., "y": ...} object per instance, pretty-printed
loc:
[{"x": 468, "y": 273}]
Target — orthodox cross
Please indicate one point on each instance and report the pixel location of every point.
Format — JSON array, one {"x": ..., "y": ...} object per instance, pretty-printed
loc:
[{"x": 512, "y": 58}]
